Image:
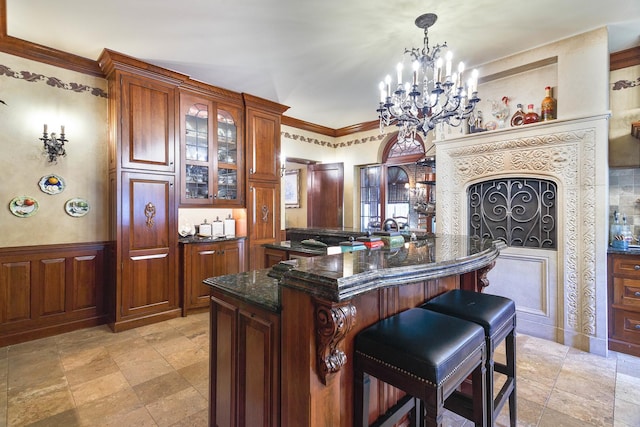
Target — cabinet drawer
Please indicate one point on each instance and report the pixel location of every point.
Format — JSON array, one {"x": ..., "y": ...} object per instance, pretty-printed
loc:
[
  {"x": 628, "y": 266},
  {"x": 626, "y": 292},
  {"x": 626, "y": 326}
]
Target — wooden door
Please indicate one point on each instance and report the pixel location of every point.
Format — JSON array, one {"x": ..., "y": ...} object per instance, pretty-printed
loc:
[
  {"x": 149, "y": 280},
  {"x": 148, "y": 133},
  {"x": 325, "y": 189}
]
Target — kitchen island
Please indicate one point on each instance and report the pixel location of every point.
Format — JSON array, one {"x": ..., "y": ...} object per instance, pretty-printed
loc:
[{"x": 282, "y": 338}]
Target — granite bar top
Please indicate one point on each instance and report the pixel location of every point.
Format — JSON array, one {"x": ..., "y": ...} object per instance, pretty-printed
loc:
[
  {"x": 254, "y": 287},
  {"x": 343, "y": 276}
]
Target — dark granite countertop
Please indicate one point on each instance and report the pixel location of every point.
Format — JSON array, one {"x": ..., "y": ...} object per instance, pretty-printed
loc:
[
  {"x": 634, "y": 250},
  {"x": 343, "y": 276},
  {"x": 255, "y": 287},
  {"x": 199, "y": 239}
]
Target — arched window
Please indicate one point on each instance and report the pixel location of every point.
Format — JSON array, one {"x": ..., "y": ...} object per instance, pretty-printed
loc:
[{"x": 388, "y": 190}]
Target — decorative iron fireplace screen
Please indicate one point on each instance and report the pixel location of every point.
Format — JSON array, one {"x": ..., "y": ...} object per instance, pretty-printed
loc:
[{"x": 518, "y": 211}]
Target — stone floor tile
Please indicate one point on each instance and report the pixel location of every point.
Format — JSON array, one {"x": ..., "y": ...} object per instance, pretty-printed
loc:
[
  {"x": 598, "y": 388},
  {"x": 583, "y": 408},
  {"x": 31, "y": 406},
  {"x": 199, "y": 419},
  {"x": 172, "y": 408},
  {"x": 112, "y": 406},
  {"x": 88, "y": 365},
  {"x": 553, "y": 418},
  {"x": 186, "y": 357},
  {"x": 99, "y": 388},
  {"x": 160, "y": 387},
  {"x": 627, "y": 412},
  {"x": 68, "y": 418},
  {"x": 179, "y": 343},
  {"x": 145, "y": 370},
  {"x": 628, "y": 388},
  {"x": 529, "y": 414}
]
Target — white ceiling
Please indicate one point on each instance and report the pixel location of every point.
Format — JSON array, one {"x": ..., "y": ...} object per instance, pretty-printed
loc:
[{"x": 322, "y": 58}]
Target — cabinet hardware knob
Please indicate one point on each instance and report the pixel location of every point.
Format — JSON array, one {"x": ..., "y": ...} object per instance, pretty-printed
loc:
[
  {"x": 636, "y": 267},
  {"x": 636, "y": 294},
  {"x": 170, "y": 163},
  {"x": 211, "y": 196},
  {"x": 637, "y": 326},
  {"x": 250, "y": 171}
]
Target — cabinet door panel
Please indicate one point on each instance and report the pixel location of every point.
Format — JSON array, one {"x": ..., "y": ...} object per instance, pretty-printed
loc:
[
  {"x": 15, "y": 292},
  {"x": 223, "y": 361},
  {"x": 149, "y": 282},
  {"x": 255, "y": 369},
  {"x": 263, "y": 145},
  {"x": 264, "y": 200},
  {"x": 204, "y": 267},
  {"x": 148, "y": 124},
  {"x": 52, "y": 286},
  {"x": 85, "y": 282}
]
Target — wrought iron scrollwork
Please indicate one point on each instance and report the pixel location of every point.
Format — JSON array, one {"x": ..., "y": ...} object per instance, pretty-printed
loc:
[{"x": 518, "y": 211}]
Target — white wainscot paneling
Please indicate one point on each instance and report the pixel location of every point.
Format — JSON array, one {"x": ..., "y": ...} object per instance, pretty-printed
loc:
[{"x": 529, "y": 277}]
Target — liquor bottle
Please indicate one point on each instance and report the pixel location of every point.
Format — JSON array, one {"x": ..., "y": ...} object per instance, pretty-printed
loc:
[
  {"x": 531, "y": 116},
  {"x": 548, "y": 107},
  {"x": 518, "y": 117}
]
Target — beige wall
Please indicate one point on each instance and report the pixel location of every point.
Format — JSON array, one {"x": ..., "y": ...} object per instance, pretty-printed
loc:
[{"x": 30, "y": 104}]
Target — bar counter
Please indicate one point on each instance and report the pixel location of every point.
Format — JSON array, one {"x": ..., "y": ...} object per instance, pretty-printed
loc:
[{"x": 282, "y": 338}]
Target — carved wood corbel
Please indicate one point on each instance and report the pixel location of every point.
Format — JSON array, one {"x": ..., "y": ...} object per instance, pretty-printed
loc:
[
  {"x": 333, "y": 321},
  {"x": 483, "y": 281}
]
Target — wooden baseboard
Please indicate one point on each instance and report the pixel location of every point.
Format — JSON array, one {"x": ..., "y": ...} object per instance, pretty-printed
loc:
[
  {"x": 126, "y": 324},
  {"x": 49, "y": 331}
]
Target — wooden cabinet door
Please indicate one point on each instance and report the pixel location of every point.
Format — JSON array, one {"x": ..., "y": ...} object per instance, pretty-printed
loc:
[
  {"x": 148, "y": 134},
  {"x": 203, "y": 261},
  {"x": 232, "y": 255},
  {"x": 149, "y": 281},
  {"x": 263, "y": 145},
  {"x": 258, "y": 374},
  {"x": 244, "y": 364},
  {"x": 264, "y": 219},
  {"x": 223, "y": 361}
]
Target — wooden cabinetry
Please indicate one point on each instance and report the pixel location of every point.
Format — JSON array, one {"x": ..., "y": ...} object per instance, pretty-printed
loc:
[
  {"x": 263, "y": 177},
  {"x": 624, "y": 303},
  {"x": 203, "y": 260},
  {"x": 143, "y": 108},
  {"x": 244, "y": 357},
  {"x": 212, "y": 152},
  {"x": 46, "y": 290}
]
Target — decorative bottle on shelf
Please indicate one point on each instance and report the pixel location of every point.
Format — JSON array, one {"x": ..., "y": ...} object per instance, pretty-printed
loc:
[
  {"x": 518, "y": 117},
  {"x": 548, "y": 107},
  {"x": 531, "y": 116}
]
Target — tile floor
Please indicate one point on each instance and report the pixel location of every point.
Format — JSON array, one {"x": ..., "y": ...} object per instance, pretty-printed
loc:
[{"x": 157, "y": 376}]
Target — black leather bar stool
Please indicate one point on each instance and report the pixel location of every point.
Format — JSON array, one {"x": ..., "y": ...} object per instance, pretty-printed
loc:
[
  {"x": 425, "y": 354},
  {"x": 497, "y": 316}
]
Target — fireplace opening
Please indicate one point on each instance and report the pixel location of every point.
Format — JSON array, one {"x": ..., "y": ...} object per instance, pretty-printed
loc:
[{"x": 519, "y": 211}]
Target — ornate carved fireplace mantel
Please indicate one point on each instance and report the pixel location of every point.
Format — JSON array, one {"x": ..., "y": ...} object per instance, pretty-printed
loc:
[{"x": 573, "y": 154}]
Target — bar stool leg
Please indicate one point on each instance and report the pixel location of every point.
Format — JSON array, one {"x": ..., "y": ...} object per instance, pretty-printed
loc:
[
  {"x": 361, "y": 395},
  {"x": 510, "y": 348}
]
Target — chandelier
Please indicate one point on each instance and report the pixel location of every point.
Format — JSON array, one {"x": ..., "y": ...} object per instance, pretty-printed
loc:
[{"x": 434, "y": 95}]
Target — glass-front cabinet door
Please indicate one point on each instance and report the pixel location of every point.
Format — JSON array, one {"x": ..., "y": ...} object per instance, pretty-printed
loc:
[{"x": 211, "y": 153}]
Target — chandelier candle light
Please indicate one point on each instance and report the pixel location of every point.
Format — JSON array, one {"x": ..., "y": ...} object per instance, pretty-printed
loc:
[{"x": 433, "y": 96}]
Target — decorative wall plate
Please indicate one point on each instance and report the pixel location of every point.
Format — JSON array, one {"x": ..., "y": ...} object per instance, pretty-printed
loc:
[
  {"x": 52, "y": 184},
  {"x": 23, "y": 206},
  {"x": 77, "y": 207}
]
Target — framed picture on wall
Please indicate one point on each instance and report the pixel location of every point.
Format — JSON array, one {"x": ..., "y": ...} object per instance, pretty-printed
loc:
[{"x": 292, "y": 188}]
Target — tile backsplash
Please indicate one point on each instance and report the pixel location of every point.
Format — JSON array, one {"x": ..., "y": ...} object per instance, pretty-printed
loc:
[{"x": 624, "y": 196}]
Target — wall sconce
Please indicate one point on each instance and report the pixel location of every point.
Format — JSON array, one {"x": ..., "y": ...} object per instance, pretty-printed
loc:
[{"x": 53, "y": 145}]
